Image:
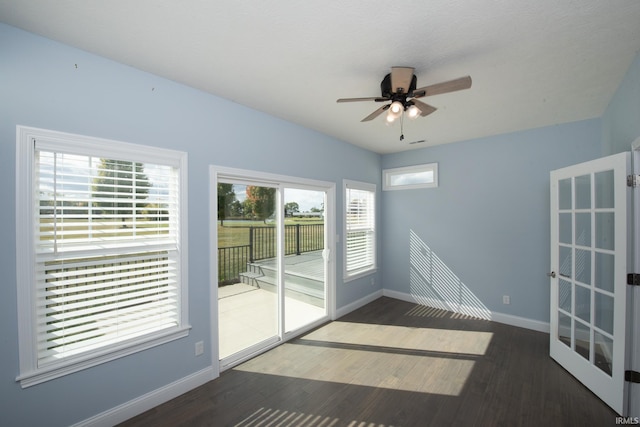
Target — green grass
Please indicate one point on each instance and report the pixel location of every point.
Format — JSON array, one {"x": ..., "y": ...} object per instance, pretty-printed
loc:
[
  {"x": 80, "y": 228},
  {"x": 236, "y": 233}
]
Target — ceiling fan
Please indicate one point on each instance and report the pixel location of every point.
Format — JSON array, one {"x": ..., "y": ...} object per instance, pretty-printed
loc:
[{"x": 399, "y": 87}]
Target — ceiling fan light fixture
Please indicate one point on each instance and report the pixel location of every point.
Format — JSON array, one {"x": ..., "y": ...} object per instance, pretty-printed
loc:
[
  {"x": 413, "y": 112},
  {"x": 390, "y": 118},
  {"x": 396, "y": 108}
]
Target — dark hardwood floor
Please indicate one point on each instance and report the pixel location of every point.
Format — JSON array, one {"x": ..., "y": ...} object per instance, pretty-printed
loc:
[{"x": 393, "y": 363}]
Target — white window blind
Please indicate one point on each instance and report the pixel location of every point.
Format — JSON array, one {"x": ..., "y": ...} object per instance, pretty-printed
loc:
[
  {"x": 100, "y": 249},
  {"x": 106, "y": 251},
  {"x": 360, "y": 238}
]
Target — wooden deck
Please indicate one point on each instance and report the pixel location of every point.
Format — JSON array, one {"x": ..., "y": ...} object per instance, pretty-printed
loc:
[
  {"x": 308, "y": 264},
  {"x": 303, "y": 276},
  {"x": 393, "y": 363}
]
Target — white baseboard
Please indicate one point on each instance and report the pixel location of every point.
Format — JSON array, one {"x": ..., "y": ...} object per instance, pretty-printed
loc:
[
  {"x": 150, "y": 400},
  {"x": 521, "y": 322},
  {"x": 507, "y": 319},
  {"x": 357, "y": 304}
]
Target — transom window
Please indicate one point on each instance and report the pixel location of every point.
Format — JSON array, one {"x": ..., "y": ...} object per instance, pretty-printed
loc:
[
  {"x": 410, "y": 177},
  {"x": 101, "y": 259}
]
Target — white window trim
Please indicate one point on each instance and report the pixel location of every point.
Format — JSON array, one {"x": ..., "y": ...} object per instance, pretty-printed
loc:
[
  {"x": 428, "y": 167},
  {"x": 30, "y": 373},
  {"x": 365, "y": 186}
]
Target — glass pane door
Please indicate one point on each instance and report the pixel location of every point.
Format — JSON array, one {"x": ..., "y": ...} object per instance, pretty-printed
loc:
[
  {"x": 304, "y": 260},
  {"x": 585, "y": 286},
  {"x": 588, "y": 259},
  {"x": 248, "y": 291}
]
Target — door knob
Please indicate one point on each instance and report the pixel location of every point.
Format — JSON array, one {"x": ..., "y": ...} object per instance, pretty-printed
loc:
[{"x": 552, "y": 274}]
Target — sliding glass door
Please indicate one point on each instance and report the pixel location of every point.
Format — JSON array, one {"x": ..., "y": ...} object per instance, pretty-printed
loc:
[
  {"x": 248, "y": 295},
  {"x": 304, "y": 266},
  {"x": 273, "y": 261}
]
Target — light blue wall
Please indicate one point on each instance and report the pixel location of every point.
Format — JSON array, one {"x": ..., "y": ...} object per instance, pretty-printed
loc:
[
  {"x": 487, "y": 224},
  {"x": 621, "y": 120},
  {"x": 48, "y": 85}
]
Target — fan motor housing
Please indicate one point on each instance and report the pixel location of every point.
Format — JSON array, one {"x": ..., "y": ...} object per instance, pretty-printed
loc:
[{"x": 387, "y": 90}]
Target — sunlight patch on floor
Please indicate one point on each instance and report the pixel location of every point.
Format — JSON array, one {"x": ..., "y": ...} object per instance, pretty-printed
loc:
[
  {"x": 425, "y": 311},
  {"x": 435, "y": 361},
  {"x": 402, "y": 337},
  {"x": 269, "y": 416},
  {"x": 282, "y": 417},
  {"x": 421, "y": 374}
]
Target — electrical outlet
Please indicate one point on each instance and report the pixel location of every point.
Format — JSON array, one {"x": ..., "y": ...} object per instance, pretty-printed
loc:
[
  {"x": 506, "y": 299},
  {"x": 373, "y": 281},
  {"x": 199, "y": 348}
]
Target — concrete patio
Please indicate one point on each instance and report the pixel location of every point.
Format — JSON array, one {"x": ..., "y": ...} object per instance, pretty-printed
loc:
[{"x": 248, "y": 311}]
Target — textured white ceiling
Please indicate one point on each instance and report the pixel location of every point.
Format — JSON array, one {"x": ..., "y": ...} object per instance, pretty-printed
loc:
[{"x": 533, "y": 63}]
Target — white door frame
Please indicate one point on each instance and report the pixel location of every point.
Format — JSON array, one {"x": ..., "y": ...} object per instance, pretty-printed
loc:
[
  {"x": 633, "y": 326},
  {"x": 217, "y": 173}
]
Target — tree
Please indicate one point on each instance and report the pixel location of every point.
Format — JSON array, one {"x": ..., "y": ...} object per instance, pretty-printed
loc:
[
  {"x": 237, "y": 209},
  {"x": 226, "y": 197},
  {"x": 156, "y": 212},
  {"x": 261, "y": 201},
  {"x": 290, "y": 208},
  {"x": 115, "y": 186}
]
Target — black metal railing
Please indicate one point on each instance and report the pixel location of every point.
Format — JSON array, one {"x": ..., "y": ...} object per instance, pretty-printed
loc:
[
  {"x": 262, "y": 245},
  {"x": 303, "y": 238},
  {"x": 231, "y": 262}
]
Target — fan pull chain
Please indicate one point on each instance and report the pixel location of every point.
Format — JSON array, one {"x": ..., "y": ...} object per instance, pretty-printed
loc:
[{"x": 402, "y": 126}]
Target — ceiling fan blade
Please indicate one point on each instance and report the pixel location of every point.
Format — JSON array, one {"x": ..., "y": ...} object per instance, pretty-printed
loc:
[
  {"x": 373, "y": 98},
  {"x": 401, "y": 79},
  {"x": 444, "y": 87},
  {"x": 375, "y": 113},
  {"x": 425, "y": 109}
]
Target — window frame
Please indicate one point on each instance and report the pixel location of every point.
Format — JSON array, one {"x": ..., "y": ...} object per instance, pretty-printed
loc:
[
  {"x": 426, "y": 167},
  {"x": 372, "y": 267},
  {"x": 26, "y": 213}
]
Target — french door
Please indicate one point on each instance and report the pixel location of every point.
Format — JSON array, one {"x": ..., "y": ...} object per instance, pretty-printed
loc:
[
  {"x": 589, "y": 238},
  {"x": 275, "y": 275}
]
